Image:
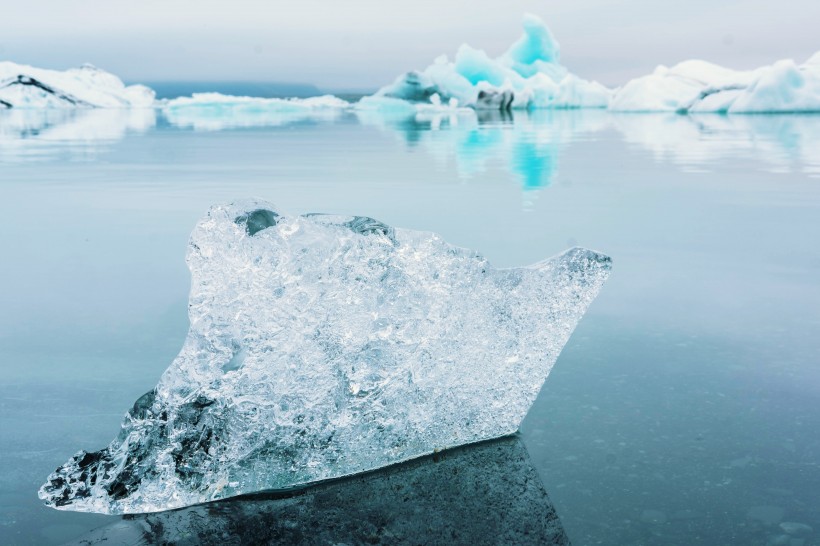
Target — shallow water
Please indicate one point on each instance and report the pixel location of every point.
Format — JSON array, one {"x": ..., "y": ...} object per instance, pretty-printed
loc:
[{"x": 682, "y": 411}]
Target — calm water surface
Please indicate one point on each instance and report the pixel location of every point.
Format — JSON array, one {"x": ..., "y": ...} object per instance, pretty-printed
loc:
[{"x": 684, "y": 409}]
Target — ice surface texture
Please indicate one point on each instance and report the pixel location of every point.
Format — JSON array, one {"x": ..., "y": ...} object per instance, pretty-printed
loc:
[
  {"x": 487, "y": 493},
  {"x": 322, "y": 346},
  {"x": 23, "y": 86}
]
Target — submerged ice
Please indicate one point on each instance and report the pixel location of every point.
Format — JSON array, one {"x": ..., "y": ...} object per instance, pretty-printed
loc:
[{"x": 322, "y": 346}]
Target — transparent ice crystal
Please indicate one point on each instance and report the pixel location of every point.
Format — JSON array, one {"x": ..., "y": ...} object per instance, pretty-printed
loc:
[{"x": 322, "y": 346}]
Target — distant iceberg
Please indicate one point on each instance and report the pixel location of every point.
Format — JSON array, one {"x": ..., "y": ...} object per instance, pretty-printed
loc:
[
  {"x": 215, "y": 111},
  {"x": 699, "y": 86},
  {"x": 528, "y": 75},
  {"x": 23, "y": 86}
]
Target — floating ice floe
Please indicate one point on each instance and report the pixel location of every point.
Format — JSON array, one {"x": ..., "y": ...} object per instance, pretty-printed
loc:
[
  {"x": 527, "y": 75},
  {"x": 23, "y": 86},
  {"x": 699, "y": 86},
  {"x": 323, "y": 346},
  {"x": 213, "y": 111}
]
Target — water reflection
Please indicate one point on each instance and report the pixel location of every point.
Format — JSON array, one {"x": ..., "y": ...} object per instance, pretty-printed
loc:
[
  {"x": 487, "y": 493},
  {"x": 32, "y": 134},
  {"x": 527, "y": 145},
  {"x": 783, "y": 143}
]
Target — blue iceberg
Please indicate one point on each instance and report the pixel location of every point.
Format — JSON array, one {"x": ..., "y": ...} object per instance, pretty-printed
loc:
[{"x": 527, "y": 75}]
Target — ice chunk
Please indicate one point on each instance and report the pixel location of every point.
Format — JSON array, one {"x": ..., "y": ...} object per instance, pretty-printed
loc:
[
  {"x": 215, "y": 111},
  {"x": 488, "y": 493},
  {"x": 529, "y": 72},
  {"x": 381, "y": 110},
  {"x": 23, "y": 86},
  {"x": 494, "y": 100},
  {"x": 322, "y": 346},
  {"x": 699, "y": 86}
]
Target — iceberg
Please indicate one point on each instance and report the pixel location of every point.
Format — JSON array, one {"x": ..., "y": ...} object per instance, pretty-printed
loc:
[
  {"x": 322, "y": 346},
  {"x": 698, "y": 86},
  {"x": 488, "y": 493},
  {"x": 215, "y": 111},
  {"x": 23, "y": 86},
  {"x": 527, "y": 76}
]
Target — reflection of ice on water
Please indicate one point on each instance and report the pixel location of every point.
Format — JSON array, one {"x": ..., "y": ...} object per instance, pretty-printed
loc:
[
  {"x": 525, "y": 144},
  {"x": 783, "y": 143},
  {"x": 486, "y": 493},
  {"x": 530, "y": 145},
  {"x": 34, "y": 133}
]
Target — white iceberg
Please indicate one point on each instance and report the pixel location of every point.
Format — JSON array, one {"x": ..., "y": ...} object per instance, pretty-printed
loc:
[
  {"x": 214, "y": 111},
  {"x": 527, "y": 75},
  {"x": 323, "y": 346},
  {"x": 23, "y": 86},
  {"x": 700, "y": 86}
]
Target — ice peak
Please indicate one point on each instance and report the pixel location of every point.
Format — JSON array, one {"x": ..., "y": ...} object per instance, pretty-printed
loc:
[{"x": 536, "y": 44}]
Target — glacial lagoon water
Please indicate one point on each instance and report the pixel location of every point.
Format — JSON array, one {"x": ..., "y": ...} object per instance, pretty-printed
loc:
[{"x": 684, "y": 409}]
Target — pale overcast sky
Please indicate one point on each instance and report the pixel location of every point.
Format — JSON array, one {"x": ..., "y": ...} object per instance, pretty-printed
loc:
[{"x": 361, "y": 44}]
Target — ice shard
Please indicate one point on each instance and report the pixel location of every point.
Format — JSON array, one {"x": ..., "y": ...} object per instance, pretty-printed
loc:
[{"x": 322, "y": 346}]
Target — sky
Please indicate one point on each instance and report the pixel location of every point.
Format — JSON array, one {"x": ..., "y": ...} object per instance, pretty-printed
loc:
[{"x": 359, "y": 45}]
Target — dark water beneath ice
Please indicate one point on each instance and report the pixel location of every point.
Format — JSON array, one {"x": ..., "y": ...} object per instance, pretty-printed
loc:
[{"x": 684, "y": 410}]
